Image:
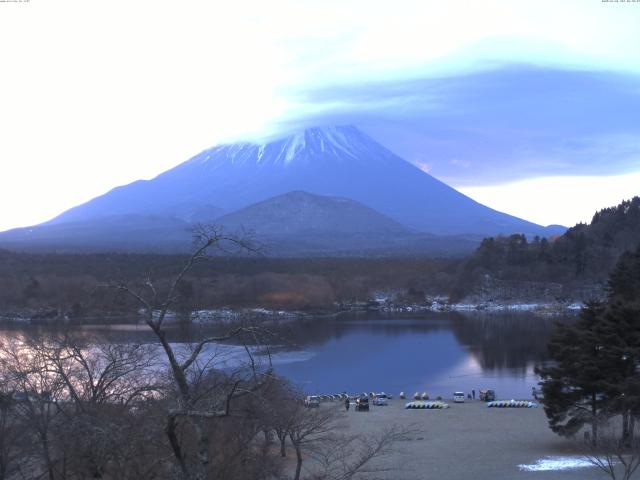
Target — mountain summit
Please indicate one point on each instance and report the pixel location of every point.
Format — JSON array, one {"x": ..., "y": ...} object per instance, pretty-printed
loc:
[
  {"x": 316, "y": 145},
  {"x": 338, "y": 161}
]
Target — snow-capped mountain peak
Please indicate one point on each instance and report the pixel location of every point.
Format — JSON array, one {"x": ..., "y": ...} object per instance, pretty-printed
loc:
[
  {"x": 318, "y": 144},
  {"x": 335, "y": 140},
  {"x": 334, "y": 161}
]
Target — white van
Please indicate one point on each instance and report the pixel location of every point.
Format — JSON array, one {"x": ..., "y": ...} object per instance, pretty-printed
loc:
[{"x": 458, "y": 397}]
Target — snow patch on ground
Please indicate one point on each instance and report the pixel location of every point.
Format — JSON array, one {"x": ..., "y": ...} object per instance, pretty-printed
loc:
[{"x": 554, "y": 464}]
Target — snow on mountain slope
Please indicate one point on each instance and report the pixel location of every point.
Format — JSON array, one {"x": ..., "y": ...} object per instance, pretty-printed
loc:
[{"x": 333, "y": 161}]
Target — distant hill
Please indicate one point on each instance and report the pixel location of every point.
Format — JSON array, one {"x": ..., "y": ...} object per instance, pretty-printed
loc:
[
  {"x": 133, "y": 233},
  {"x": 293, "y": 224},
  {"x": 302, "y": 223},
  {"x": 302, "y": 213}
]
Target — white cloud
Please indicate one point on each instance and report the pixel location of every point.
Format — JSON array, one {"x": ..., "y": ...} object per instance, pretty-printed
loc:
[
  {"x": 97, "y": 94},
  {"x": 557, "y": 200}
]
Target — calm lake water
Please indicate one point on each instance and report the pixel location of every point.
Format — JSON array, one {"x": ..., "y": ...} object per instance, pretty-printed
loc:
[{"x": 437, "y": 353}]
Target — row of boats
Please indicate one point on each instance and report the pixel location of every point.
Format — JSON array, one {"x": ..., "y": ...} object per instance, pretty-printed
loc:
[
  {"x": 437, "y": 405},
  {"x": 420, "y": 401},
  {"x": 512, "y": 404}
]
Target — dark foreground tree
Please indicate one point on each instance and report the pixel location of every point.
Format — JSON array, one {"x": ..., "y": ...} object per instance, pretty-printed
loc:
[
  {"x": 80, "y": 409},
  {"x": 11, "y": 438},
  {"x": 198, "y": 407},
  {"x": 574, "y": 384},
  {"x": 595, "y": 369},
  {"x": 621, "y": 340}
]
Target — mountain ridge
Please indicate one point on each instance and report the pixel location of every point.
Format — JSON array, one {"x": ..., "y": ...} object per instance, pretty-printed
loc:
[
  {"x": 337, "y": 162},
  {"x": 289, "y": 225},
  {"x": 333, "y": 161}
]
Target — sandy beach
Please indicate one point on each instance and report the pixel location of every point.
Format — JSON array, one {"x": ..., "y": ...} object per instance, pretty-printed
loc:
[{"x": 470, "y": 441}]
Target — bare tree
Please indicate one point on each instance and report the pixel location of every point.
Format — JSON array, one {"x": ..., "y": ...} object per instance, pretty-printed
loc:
[
  {"x": 343, "y": 457},
  {"x": 36, "y": 392},
  {"x": 11, "y": 436},
  {"x": 103, "y": 382},
  {"x": 280, "y": 411},
  {"x": 309, "y": 426},
  {"x": 185, "y": 368},
  {"x": 616, "y": 456},
  {"x": 317, "y": 434},
  {"x": 74, "y": 399},
  {"x": 97, "y": 373}
]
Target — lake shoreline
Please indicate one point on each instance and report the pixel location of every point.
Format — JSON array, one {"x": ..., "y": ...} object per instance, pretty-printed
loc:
[{"x": 227, "y": 315}]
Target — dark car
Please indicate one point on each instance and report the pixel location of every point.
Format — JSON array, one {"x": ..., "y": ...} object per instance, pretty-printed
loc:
[
  {"x": 362, "y": 404},
  {"x": 487, "y": 395}
]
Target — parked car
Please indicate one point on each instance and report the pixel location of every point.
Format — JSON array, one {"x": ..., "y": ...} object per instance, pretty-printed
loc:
[
  {"x": 458, "y": 397},
  {"x": 312, "y": 401},
  {"x": 381, "y": 399},
  {"x": 362, "y": 404},
  {"x": 487, "y": 395}
]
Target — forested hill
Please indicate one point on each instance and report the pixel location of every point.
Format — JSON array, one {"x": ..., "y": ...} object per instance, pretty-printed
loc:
[{"x": 584, "y": 254}]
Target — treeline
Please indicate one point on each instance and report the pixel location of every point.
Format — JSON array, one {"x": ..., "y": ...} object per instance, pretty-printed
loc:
[
  {"x": 582, "y": 255},
  {"x": 72, "y": 284},
  {"x": 569, "y": 266}
]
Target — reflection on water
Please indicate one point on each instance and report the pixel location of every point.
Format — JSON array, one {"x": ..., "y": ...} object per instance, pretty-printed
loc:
[
  {"x": 437, "y": 353},
  {"x": 504, "y": 340}
]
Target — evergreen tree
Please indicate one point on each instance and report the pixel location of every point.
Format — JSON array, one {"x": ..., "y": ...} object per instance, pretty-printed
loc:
[
  {"x": 596, "y": 369},
  {"x": 621, "y": 335},
  {"x": 574, "y": 385},
  {"x": 624, "y": 280}
]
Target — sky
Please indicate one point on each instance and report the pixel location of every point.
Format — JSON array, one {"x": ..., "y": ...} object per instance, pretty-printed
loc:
[{"x": 532, "y": 108}]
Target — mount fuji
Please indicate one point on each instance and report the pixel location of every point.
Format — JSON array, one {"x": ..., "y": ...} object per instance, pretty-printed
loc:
[{"x": 329, "y": 162}]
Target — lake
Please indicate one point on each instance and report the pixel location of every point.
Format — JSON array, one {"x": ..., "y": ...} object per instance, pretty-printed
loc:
[{"x": 436, "y": 352}]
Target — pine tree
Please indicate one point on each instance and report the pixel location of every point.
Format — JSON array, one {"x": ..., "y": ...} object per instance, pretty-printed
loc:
[
  {"x": 621, "y": 335},
  {"x": 574, "y": 386},
  {"x": 596, "y": 369}
]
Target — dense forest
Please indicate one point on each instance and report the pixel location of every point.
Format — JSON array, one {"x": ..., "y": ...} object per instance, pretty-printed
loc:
[
  {"x": 573, "y": 266},
  {"x": 56, "y": 284}
]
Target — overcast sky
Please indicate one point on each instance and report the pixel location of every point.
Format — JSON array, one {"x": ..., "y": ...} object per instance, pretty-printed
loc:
[{"x": 531, "y": 107}]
